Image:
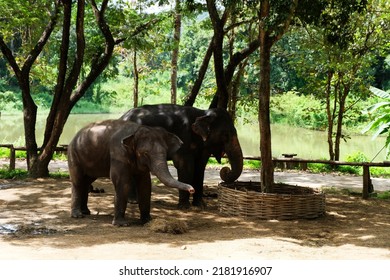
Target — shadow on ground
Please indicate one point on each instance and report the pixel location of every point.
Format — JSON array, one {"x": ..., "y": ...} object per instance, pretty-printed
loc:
[{"x": 37, "y": 213}]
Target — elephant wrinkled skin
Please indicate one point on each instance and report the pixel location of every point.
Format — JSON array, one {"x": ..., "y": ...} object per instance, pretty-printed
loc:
[
  {"x": 204, "y": 133},
  {"x": 126, "y": 152}
]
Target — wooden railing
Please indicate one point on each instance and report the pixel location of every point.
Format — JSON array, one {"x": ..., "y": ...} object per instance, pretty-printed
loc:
[
  {"x": 13, "y": 149},
  {"x": 288, "y": 161}
]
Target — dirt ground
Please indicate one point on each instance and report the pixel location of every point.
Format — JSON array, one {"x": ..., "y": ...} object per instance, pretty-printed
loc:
[{"x": 35, "y": 223}]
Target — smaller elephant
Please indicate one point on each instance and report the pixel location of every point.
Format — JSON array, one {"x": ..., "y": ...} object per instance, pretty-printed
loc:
[{"x": 126, "y": 152}]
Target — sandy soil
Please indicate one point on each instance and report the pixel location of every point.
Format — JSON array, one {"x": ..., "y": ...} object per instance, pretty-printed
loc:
[{"x": 35, "y": 224}]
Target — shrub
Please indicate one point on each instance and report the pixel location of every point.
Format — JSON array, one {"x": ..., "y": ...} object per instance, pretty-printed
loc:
[
  {"x": 355, "y": 157},
  {"x": 12, "y": 174}
]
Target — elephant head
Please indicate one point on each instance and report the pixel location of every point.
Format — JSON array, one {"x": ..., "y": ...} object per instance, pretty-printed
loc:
[
  {"x": 150, "y": 148},
  {"x": 220, "y": 136}
]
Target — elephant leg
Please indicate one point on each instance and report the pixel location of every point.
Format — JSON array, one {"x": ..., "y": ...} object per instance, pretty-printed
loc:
[
  {"x": 199, "y": 168},
  {"x": 80, "y": 190},
  {"x": 144, "y": 191},
  {"x": 185, "y": 173},
  {"x": 122, "y": 183},
  {"x": 133, "y": 195}
]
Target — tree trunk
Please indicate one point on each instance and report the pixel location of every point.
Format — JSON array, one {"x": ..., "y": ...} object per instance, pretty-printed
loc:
[
  {"x": 218, "y": 25},
  {"x": 329, "y": 114},
  {"x": 268, "y": 37},
  {"x": 66, "y": 96},
  {"x": 136, "y": 80},
  {"x": 175, "y": 52},
  {"x": 267, "y": 168},
  {"x": 234, "y": 61},
  {"x": 29, "y": 118},
  {"x": 340, "y": 118},
  {"x": 68, "y": 75},
  {"x": 234, "y": 89},
  {"x": 201, "y": 74},
  {"x": 23, "y": 77}
]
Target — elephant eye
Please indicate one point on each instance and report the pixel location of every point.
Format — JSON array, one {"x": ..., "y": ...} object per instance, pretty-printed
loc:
[{"x": 142, "y": 154}]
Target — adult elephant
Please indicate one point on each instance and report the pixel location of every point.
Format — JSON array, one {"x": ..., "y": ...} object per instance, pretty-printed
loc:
[
  {"x": 126, "y": 152},
  {"x": 204, "y": 133}
]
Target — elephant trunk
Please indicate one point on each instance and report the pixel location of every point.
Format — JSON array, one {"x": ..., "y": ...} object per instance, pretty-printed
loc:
[
  {"x": 160, "y": 169},
  {"x": 234, "y": 153}
]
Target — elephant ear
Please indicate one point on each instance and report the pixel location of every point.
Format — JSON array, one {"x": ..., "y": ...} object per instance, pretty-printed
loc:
[
  {"x": 202, "y": 125},
  {"x": 174, "y": 144},
  {"x": 128, "y": 142}
]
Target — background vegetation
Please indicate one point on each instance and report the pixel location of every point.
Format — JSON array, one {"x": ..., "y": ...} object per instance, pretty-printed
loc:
[{"x": 108, "y": 56}]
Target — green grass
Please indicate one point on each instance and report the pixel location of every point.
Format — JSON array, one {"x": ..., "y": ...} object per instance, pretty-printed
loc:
[
  {"x": 59, "y": 175},
  {"x": 351, "y": 192},
  {"x": 17, "y": 173},
  {"x": 5, "y": 153},
  {"x": 383, "y": 195},
  {"x": 248, "y": 164},
  {"x": 13, "y": 174}
]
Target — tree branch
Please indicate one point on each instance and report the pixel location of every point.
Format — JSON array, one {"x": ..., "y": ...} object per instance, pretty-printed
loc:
[
  {"x": 103, "y": 58},
  {"x": 43, "y": 39},
  {"x": 80, "y": 49},
  {"x": 10, "y": 57},
  {"x": 37, "y": 48}
]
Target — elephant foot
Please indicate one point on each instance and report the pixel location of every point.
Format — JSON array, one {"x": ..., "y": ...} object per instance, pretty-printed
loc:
[
  {"x": 76, "y": 213},
  {"x": 120, "y": 222},
  {"x": 184, "y": 205},
  {"x": 146, "y": 219},
  {"x": 201, "y": 204},
  {"x": 85, "y": 211}
]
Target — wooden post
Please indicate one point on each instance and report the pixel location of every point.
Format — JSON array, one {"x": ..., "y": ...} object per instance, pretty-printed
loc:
[
  {"x": 366, "y": 181},
  {"x": 12, "y": 158}
]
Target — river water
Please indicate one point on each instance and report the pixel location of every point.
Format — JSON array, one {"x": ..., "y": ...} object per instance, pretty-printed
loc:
[{"x": 305, "y": 143}]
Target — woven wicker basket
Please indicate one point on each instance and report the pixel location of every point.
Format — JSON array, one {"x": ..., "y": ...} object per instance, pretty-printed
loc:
[{"x": 286, "y": 203}]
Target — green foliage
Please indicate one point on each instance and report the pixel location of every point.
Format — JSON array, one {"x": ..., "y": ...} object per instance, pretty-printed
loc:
[
  {"x": 298, "y": 110},
  {"x": 252, "y": 164},
  {"x": 248, "y": 164},
  {"x": 59, "y": 175},
  {"x": 17, "y": 173},
  {"x": 10, "y": 102},
  {"x": 60, "y": 156},
  {"x": 383, "y": 195},
  {"x": 356, "y": 157},
  {"x": 381, "y": 122},
  {"x": 356, "y": 170},
  {"x": 4, "y": 153},
  {"x": 319, "y": 168},
  {"x": 380, "y": 172},
  {"x": 13, "y": 174}
]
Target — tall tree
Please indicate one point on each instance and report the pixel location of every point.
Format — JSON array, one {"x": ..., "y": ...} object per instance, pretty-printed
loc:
[
  {"x": 69, "y": 89},
  {"x": 226, "y": 17},
  {"x": 275, "y": 19},
  {"x": 339, "y": 68},
  {"x": 22, "y": 72},
  {"x": 218, "y": 23},
  {"x": 175, "y": 51},
  {"x": 141, "y": 38}
]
